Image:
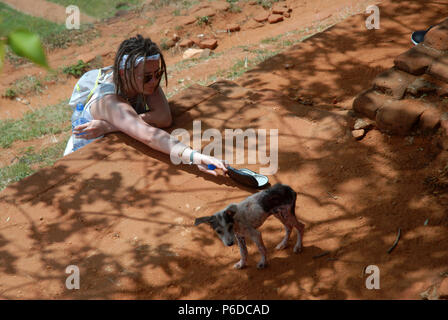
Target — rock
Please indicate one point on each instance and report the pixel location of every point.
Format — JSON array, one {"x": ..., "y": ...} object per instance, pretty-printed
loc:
[
  {"x": 233, "y": 27},
  {"x": 170, "y": 43},
  {"x": 439, "y": 69},
  {"x": 368, "y": 102},
  {"x": 22, "y": 100},
  {"x": 252, "y": 24},
  {"x": 288, "y": 66},
  {"x": 205, "y": 53},
  {"x": 175, "y": 38},
  {"x": 362, "y": 124},
  {"x": 187, "y": 20},
  {"x": 358, "y": 134},
  {"x": 393, "y": 82},
  {"x": 429, "y": 121},
  {"x": 281, "y": 9},
  {"x": 186, "y": 43},
  {"x": 262, "y": 17},
  {"x": 274, "y": 18},
  {"x": 399, "y": 116},
  {"x": 417, "y": 59},
  {"x": 420, "y": 86},
  {"x": 192, "y": 53},
  {"x": 209, "y": 43},
  {"x": 197, "y": 40},
  {"x": 437, "y": 37},
  {"x": 286, "y": 15},
  {"x": 443, "y": 289}
]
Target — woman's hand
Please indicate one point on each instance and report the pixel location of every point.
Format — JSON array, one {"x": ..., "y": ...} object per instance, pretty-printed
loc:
[
  {"x": 93, "y": 129},
  {"x": 205, "y": 160}
]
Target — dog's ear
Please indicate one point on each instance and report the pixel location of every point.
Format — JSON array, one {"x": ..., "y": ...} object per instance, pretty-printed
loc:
[
  {"x": 200, "y": 220},
  {"x": 231, "y": 210}
]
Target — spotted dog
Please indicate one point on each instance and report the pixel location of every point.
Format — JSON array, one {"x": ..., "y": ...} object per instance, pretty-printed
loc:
[{"x": 243, "y": 219}]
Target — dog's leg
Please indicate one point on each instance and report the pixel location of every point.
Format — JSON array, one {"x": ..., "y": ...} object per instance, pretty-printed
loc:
[
  {"x": 290, "y": 221},
  {"x": 243, "y": 252},
  {"x": 284, "y": 243},
  {"x": 293, "y": 222},
  {"x": 300, "y": 227},
  {"x": 255, "y": 235}
]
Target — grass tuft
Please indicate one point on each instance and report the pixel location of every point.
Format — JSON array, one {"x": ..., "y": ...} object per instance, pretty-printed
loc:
[
  {"x": 30, "y": 161},
  {"x": 49, "y": 120},
  {"x": 23, "y": 86}
]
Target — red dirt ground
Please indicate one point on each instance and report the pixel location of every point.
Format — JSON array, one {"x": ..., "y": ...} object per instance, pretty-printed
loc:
[{"x": 124, "y": 214}]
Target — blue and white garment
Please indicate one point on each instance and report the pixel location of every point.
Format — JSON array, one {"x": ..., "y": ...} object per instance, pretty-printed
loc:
[
  {"x": 103, "y": 87},
  {"x": 95, "y": 84}
]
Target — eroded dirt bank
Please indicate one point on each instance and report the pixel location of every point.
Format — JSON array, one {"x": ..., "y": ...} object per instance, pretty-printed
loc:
[{"x": 125, "y": 215}]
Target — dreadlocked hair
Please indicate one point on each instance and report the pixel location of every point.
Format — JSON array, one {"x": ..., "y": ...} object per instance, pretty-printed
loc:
[{"x": 134, "y": 47}]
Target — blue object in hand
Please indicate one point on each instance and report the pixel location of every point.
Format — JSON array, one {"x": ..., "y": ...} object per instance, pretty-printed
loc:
[{"x": 211, "y": 166}]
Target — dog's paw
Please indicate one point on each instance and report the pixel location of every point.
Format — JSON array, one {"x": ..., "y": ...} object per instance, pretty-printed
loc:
[
  {"x": 297, "y": 249},
  {"x": 239, "y": 265},
  {"x": 281, "y": 246},
  {"x": 261, "y": 265}
]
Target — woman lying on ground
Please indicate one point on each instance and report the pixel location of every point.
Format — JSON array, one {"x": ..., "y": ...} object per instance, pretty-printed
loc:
[{"x": 129, "y": 99}]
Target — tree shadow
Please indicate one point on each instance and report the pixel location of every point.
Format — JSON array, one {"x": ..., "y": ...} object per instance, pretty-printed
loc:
[{"x": 124, "y": 214}]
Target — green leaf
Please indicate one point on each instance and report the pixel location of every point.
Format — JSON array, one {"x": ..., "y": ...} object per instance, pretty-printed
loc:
[
  {"x": 27, "y": 44},
  {"x": 2, "y": 53}
]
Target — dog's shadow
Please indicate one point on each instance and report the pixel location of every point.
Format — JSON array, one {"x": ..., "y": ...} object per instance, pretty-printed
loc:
[{"x": 294, "y": 265}]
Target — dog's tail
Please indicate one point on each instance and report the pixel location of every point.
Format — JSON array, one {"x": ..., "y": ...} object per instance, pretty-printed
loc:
[{"x": 293, "y": 202}]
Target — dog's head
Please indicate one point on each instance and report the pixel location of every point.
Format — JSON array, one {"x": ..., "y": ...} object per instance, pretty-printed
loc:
[{"x": 222, "y": 222}]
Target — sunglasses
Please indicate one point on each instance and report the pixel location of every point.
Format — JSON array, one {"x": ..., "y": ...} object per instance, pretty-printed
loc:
[{"x": 157, "y": 74}]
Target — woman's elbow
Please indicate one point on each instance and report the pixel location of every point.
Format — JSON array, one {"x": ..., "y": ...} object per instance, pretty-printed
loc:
[{"x": 166, "y": 122}]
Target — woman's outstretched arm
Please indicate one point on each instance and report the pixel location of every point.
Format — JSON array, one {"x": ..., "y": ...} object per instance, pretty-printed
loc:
[
  {"x": 159, "y": 116},
  {"x": 123, "y": 117}
]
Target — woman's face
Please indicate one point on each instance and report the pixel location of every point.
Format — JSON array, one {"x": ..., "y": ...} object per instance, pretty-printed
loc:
[{"x": 147, "y": 76}]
